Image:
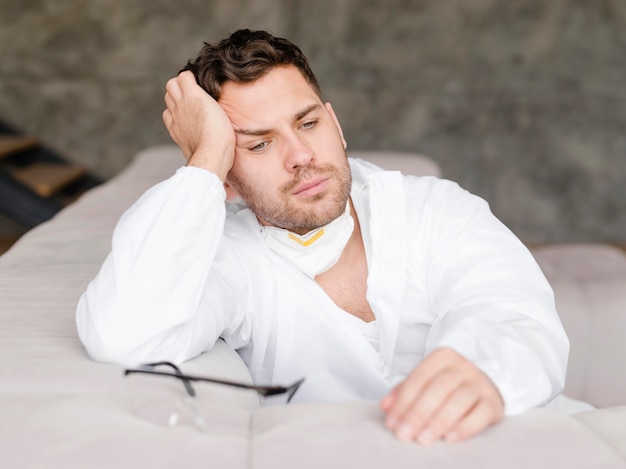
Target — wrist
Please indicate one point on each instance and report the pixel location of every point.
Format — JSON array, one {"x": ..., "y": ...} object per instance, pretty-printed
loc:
[{"x": 218, "y": 164}]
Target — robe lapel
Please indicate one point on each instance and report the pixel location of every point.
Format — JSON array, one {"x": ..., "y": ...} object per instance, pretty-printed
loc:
[{"x": 387, "y": 276}]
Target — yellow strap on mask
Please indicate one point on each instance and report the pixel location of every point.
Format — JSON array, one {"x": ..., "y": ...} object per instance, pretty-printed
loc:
[{"x": 308, "y": 242}]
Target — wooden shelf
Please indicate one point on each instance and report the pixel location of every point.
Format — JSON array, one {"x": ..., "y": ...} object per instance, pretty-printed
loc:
[
  {"x": 35, "y": 181},
  {"x": 47, "y": 179},
  {"x": 6, "y": 242},
  {"x": 11, "y": 144},
  {"x": 621, "y": 245}
]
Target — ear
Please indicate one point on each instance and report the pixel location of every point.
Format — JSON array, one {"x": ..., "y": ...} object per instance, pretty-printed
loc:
[
  {"x": 329, "y": 108},
  {"x": 231, "y": 192}
]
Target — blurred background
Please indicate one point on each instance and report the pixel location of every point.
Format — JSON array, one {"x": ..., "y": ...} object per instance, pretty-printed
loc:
[{"x": 520, "y": 101}]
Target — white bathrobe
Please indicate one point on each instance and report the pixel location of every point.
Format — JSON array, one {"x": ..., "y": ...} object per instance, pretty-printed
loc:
[{"x": 186, "y": 269}]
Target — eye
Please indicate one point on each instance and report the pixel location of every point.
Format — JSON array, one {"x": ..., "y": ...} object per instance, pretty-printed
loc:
[
  {"x": 260, "y": 147},
  {"x": 309, "y": 124}
]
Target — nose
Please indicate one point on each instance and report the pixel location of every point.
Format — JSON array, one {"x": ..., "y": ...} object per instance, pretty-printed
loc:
[{"x": 298, "y": 153}]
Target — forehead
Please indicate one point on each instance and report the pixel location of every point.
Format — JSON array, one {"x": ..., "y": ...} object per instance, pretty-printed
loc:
[{"x": 282, "y": 92}]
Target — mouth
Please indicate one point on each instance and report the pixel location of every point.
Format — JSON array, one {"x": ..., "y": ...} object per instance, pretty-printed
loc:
[{"x": 312, "y": 187}]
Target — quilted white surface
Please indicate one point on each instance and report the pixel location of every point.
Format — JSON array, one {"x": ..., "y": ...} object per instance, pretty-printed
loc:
[{"x": 61, "y": 410}]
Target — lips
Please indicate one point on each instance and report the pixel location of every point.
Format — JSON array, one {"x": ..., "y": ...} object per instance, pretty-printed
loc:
[{"x": 311, "y": 187}]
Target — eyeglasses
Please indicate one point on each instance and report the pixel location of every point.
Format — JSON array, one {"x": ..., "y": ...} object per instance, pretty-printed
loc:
[{"x": 188, "y": 400}]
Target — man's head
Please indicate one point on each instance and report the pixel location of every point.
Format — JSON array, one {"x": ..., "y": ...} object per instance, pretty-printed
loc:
[
  {"x": 244, "y": 57},
  {"x": 290, "y": 164}
]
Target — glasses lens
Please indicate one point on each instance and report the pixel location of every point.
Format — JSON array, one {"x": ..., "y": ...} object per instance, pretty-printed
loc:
[
  {"x": 158, "y": 394},
  {"x": 162, "y": 400}
]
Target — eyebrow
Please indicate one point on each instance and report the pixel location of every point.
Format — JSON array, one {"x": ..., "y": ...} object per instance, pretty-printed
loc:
[{"x": 296, "y": 118}]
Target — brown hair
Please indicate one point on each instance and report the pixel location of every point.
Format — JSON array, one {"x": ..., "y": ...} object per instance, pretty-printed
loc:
[{"x": 244, "y": 57}]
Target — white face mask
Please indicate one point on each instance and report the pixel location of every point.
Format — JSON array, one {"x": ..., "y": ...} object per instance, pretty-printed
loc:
[{"x": 318, "y": 250}]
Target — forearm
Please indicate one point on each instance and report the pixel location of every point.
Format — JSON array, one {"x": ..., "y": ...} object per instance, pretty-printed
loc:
[
  {"x": 152, "y": 282},
  {"x": 497, "y": 310},
  {"x": 525, "y": 358},
  {"x": 492, "y": 303}
]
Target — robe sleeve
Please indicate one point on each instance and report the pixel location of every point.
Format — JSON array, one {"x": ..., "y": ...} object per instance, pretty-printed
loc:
[
  {"x": 153, "y": 298},
  {"x": 493, "y": 304}
]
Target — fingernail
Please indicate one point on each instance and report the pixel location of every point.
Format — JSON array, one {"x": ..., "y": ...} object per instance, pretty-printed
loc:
[
  {"x": 404, "y": 432},
  {"x": 391, "y": 422},
  {"x": 426, "y": 438}
]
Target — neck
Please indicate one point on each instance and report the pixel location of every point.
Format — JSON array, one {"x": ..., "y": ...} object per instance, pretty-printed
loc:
[
  {"x": 354, "y": 247},
  {"x": 355, "y": 241}
]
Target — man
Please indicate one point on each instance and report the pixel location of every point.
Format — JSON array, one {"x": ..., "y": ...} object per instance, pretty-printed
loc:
[{"x": 371, "y": 284}]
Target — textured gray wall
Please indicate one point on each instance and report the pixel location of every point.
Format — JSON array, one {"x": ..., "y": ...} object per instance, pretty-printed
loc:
[{"x": 520, "y": 101}]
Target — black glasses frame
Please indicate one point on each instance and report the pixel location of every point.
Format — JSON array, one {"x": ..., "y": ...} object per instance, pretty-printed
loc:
[{"x": 265, "y": 391}]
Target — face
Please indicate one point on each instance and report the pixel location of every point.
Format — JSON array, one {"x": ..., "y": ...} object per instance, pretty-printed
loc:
[{"x": 290, "y": 164}]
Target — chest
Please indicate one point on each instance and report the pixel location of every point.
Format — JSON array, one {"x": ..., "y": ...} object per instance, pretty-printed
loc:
[{"x": 346, "y": 285}]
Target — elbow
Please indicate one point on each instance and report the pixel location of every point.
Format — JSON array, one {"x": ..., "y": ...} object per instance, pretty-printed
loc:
[
  {"x": 110, "y": 340},
  {"x": 102, "y": 342},
  {"x": 105, "y": 349}
]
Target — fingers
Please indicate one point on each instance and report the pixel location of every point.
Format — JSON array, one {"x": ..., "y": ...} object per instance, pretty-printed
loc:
[
  {"x": 179, "y": 86},
  {"x": 405, "y": 395},
  {"x": 173, "y": 94},
  {"x": 175, "y": 89},
  {"x": 170, "y": 102},
  {"x": 186, "y": 112},
  {"x": 474, "y": 422},
  {"x": 445, "y": 419},
  {"x": 167, "y": 120},
  {"x": 199, "y": 125},
  {"x": 446, "y": 396}
]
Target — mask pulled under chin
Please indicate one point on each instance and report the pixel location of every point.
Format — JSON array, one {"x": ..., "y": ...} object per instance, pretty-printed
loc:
[{"x": 318, "y": 250}]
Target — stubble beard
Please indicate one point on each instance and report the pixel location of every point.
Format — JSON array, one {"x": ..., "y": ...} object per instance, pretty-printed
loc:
[{"x": 308, "y": 214}]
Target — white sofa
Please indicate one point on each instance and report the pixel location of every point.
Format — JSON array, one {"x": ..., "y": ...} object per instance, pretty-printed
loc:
[{"x": 58, "y": 409}]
